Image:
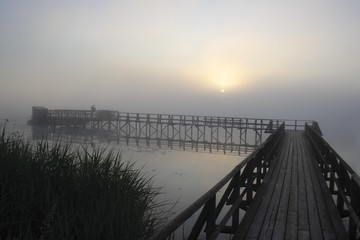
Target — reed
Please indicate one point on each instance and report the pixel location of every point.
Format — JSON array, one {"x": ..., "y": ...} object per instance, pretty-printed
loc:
[{"x": 54, "y": 191}]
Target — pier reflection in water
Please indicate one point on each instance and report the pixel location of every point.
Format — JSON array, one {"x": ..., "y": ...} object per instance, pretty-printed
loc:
[
  {"x": 95, "y": 137},
  {"x": 183, "y": 176},
  {"x": 226, "y": 134}
]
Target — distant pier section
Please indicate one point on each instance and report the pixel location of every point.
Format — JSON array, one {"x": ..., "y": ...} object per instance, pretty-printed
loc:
[{"x": 205, "y": 133}]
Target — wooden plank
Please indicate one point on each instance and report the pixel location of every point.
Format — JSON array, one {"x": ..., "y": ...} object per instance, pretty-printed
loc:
[
  {"x": 267, "y": 211},
  {"x": 282, "y": 213},
  {"x": 303, "y": 215},
  {"x": 324, "y": 217},
  {"x": 294, "y": 201},
  {"x": 270, "y": 218},
  {"x": 314, "y": 221},
  {"x": 329, "y": 215},
  {"x": 250, "y": 214},
  {"x": 293, "y": 210}
]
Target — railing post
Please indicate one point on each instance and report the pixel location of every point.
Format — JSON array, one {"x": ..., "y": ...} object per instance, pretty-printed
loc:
[
  {"x": 249, "y": 183},
  {"x": 259, "y": 164},
  {"x": 210, "y": 222},
  {"x": 332, "y": 170},
  {"x": 340, "y": 200},
  {"x": 236, "y": 192},
  {"x": 355, "y": 203}
]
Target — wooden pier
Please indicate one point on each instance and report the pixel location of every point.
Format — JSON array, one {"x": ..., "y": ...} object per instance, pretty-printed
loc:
[
  {"x": 294, "y": 186},
  {"x": 200, "y": 133},
  {"x": 293, "y": 202}
]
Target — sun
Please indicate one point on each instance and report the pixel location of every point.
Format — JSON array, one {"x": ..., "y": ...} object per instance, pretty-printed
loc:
[
  {"x": 224, "y": 77},
  {"x": 219, "y": 75}
]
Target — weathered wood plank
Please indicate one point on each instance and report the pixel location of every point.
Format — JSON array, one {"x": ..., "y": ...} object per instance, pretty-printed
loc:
[
  {"x": 267, "y": 185},
  {"x": 303, "y": 214},
  {"x": 293, "y": 210},
  {"x": 281, "y": 214},
  {"x": 267, "y": 212},
  {"x": 294, "y": 201},
  {"x": 270, "y": 219},
  {"x": 329, "y": 215},
  {"x": 314, "y": 221}
]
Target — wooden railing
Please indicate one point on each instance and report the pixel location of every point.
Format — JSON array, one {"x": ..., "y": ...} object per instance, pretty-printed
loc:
[
  {"x": 343, "y": 182},
  {"x": 243, "y": 181},
  {"x": 210, "y": 121}
]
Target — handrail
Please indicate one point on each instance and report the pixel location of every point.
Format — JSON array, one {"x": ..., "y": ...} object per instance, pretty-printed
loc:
[
  {"x": 338, "y": 173},
  {"x": 260, "y": 158},
  {"x": 176, "y": 118}
]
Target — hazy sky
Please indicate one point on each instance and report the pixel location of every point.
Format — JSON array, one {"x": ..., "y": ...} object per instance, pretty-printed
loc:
[{"x": 273, "y": 59}]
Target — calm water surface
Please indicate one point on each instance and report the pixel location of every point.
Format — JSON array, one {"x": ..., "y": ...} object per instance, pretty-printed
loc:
[{"x": 183, "y": 176}]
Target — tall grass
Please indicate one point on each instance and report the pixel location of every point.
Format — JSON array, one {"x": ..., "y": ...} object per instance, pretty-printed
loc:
[{"x": 52, "y": 191}]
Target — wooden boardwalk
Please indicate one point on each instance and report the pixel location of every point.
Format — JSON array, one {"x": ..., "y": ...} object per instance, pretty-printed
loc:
[
  {"x": 294, "y": 186},
  {"x": 201, "y": 133},
  {"x": 294, "y": 201}
]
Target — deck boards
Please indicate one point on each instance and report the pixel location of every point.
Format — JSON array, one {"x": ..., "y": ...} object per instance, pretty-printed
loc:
[{"x": 293, "y": 202}]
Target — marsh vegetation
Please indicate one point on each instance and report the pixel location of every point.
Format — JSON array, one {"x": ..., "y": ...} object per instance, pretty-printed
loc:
[{"x": 58, "y": 191}]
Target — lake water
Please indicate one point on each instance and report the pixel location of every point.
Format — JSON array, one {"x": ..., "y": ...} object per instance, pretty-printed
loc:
[{"x": 183, "y": 176}]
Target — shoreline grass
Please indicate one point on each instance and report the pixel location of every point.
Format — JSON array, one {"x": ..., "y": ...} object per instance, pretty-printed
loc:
[{"x": 51, "y": 191}]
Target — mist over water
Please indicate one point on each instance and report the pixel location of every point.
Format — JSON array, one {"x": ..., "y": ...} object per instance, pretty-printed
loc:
[
  {"x": 274, "y": 60},
  {"x": 182, "y": 176}
]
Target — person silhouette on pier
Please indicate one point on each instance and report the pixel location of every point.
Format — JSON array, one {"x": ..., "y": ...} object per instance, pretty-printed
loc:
[{"x": 93, "y": 109}]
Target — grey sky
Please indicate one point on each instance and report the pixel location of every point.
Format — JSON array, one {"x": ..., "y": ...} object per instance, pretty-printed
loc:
[{"x": 273, "y": 59}]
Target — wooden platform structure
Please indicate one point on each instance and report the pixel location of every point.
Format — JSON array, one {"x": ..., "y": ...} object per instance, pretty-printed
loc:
[
  {"x": 293, "y": 202},
  {"x": 186, "y": 132},
  {"x": 294, "y": 186}
]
